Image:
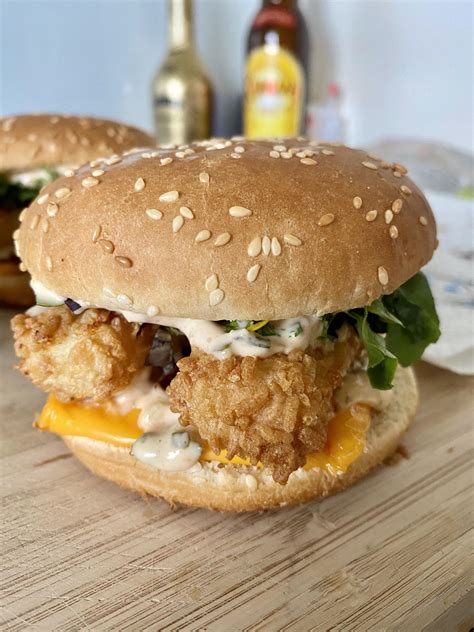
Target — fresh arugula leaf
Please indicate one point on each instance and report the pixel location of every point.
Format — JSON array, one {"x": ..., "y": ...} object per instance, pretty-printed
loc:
[
  {"x": 414, "y": 306},
  {"x": 297, "y": 331},
  {"x": 408, "y": 318}
]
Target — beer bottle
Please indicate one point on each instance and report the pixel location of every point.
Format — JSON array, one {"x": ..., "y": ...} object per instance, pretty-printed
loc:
[
  {"x": 276, "y": 71},
  {"x": 182, "y": 92}
]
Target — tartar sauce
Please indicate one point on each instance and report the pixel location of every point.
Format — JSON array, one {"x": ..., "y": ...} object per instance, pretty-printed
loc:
[{"x": 165, "y": 444}]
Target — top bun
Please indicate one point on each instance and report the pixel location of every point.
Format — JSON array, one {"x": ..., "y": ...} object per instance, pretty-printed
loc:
[
  {"x": 46, "y": 140},
  {"x": 235, "y": 229}
]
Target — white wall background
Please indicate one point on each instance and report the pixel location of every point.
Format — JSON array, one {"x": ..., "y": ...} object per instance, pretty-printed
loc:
[{"x": 405, "y": 66}]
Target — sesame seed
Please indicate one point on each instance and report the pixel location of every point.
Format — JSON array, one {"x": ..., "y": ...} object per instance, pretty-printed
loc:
[
  {"x": 152, "y": 310},
  {"x": 113, "y": 160},
  {"x": 254, "y": 247},
  {"x": 22, "y": 267},
  {"x": 124, "y": 299},
  {"x": 266, "y": 245},
  {"x": 212, "y": 283},
  {"x": 49, "y": 263},
  {"x": 166, "y": 161},
  {"x": 384, "y": 164},
  {"x": 62, "y": 193},
  {"x": 177, "y": 223},
  {"x": 279, "y": 148},
  {"x": 45, "y": 225},
  {"x": 186, "y": 212},
  {"x": 239, "y": 149},
  {"x": 52, "y": 209},
  {"x": 276, "y": 247},
  {"x": 96, "y": 234},
  {"x": 393, "y": 232},
  {"x": 233, "y": 155},
  {"x": 34, "y": 222},
  {"x": 405, "y": 189},
  {"x": 69, "y": 173},
  {"x": 180, "y": 154},
  {"x": 239, "y": 211},
  {"x": 292, "y": 240},
  {"x": 108, "y": 292},
  {"x": 147, "y": 154},
  {"x": 89, "y": 182},
  {"x": 397, "y": 174},
  {"x": 398, "y": 167},
  {"x": 326, "y": 219},
  {"x": 204, "y": 177},
  {"x": 125, "y": 262},
  {"x": 300, "y": 154},
  {"x": 154, "y": 213},
  {"x": 222, "y": 239},
  {"x": 216, "y": 297},
  {"x": 388, "y": 216},
  {"x": 139, "y": 184},
  {"x": 274, "y": 154},
  {"x": 369, "y": 165},
  {"x": 423, "y": 221},
  {"x": 357, "y": 202},
  {"x": 169, "y": 196},
  {"x": 252, "y": 273},
  {"x": 397, "y": 206},
  {"x": 203, "y": 235},
  {"x": 382, "y": 275},
  {"x": 42, "y": 198},
  {"x": 286, "y": 155},
  {"x": 308, "y": 161},
  {"x": 98, "y": 172},
  {"x": 327, "y": 152},
  {"x": 106, "y": 245},
  {"x": 94, "y": 163}
]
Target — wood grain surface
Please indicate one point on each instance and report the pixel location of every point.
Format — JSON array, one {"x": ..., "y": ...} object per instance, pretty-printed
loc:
[{"x": 392, "y": 553}]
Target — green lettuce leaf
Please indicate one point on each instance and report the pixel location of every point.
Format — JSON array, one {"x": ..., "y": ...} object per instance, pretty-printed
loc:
[{"x": 409, "y": 321}]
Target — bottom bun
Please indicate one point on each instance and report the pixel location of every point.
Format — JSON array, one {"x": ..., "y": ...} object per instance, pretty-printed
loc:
[
  {"x": 15, "y": 287},
  {"x": 248, "y": 488}
]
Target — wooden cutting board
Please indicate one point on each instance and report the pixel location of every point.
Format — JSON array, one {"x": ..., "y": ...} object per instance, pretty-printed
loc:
[{"x": 392, "y": 553}]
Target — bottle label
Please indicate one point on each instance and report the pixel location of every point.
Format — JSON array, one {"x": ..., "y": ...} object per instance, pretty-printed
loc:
[{"x": 274, "y": 88}]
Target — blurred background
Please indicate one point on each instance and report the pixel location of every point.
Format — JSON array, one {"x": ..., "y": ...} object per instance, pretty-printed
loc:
[
  {"x": 392, "y": 76},
  {"x": 404, "y": 67}
]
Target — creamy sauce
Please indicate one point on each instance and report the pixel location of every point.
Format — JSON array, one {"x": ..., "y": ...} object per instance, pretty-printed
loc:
[
  {"x": 29, "y": 178},
  {"x": 170, "y": 451},
  {"x": 356, "y": 389},
  {"x": 211, "y": 337},
  {"x": 165, "y": 444}
]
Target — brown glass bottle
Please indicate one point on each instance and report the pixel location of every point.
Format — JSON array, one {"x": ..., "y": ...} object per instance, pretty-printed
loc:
[{"x": 276, "y": 71}]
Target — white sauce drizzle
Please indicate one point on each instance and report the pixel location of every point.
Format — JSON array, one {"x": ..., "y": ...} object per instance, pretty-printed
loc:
[
  {"x": 165, "y": 444},
  {"x": 211, "y": 337}
]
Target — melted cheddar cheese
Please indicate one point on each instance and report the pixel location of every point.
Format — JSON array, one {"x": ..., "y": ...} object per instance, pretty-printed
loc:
[{"x": 346, "y": 432}]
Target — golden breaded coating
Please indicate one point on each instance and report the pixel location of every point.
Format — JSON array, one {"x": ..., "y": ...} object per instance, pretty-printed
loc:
[
  {"x": 274, "y": 410},
  {"x": 84, "y": 357}
]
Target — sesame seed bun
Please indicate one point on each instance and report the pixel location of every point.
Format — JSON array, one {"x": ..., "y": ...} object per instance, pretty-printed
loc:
[
  {"x": 240, "y": 488},
  {"x": 230, "y": 230},
  {"x": 46, "y": 140}
]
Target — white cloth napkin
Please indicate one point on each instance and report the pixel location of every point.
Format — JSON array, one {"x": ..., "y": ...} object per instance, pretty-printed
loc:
[{"x": 451, "y": 277}]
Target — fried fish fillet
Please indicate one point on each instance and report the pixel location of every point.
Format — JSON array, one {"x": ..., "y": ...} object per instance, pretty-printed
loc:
[
  {"x": 84, "y": 357},
  {"x": 274, "y": 410}
]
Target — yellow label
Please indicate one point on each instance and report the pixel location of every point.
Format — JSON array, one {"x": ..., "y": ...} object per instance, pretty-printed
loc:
[{"x": 274, "y": 86}]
